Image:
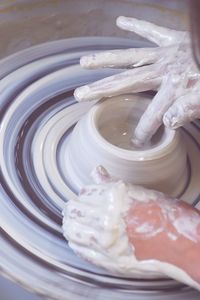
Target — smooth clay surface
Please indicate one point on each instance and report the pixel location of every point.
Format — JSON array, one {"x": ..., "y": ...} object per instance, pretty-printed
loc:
[{"x": 103, "y": 137}]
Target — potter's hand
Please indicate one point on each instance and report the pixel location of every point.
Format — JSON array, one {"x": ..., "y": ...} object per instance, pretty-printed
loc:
[
  {"x": 169, "y": 69},
  {"x": 133, "y": 231}
]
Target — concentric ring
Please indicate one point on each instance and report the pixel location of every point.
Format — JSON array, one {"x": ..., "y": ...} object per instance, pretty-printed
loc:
[{"x": 38, "y": 112}]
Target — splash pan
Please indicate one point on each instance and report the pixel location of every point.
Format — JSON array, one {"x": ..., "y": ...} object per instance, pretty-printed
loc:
[{"x": 38, "y": 112}]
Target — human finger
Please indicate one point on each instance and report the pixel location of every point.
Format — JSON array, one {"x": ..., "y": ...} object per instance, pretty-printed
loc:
[
  {"x": 159, "y": 35},
  {"x": 184, "y": 110},
  {"x": 136, "y": 80},
  {"x": 127, "y": 58},
  {"x": 152, "y": 117}
]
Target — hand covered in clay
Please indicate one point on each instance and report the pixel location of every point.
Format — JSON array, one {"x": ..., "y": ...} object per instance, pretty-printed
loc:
[
  {"x": 169, "y": 69},
  {"x": 134, "y": 232}
]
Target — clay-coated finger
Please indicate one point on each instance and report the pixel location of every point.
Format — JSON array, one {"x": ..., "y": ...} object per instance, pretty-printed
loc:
[
  {"x": 159, "y": 35},
  {"x": 184, "y": 110},
  {"x": 152, "y": 117},
  {"x": 127, "y": 58},
  {"x": 136, "y": 80}
]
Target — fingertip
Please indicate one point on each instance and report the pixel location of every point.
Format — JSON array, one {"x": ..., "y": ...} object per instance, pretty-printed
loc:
[
  {"x": 136, "y": 142},
  {"x": 80, "y": 93},
  {"x": 84, "y": 61},
  {"x": 170, "y": 121},
  {"x": 166, "y": 121},
  {"x": 76, "y": 94},
  {"x": 126, "y": 22},
  {"x": 84, "y": 94},
  {"x": 88, "y": 61},
  {"x": 120, "y": 20}
]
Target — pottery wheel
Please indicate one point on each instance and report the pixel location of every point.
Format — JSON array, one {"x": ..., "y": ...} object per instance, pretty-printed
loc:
[{"x": 38, "y": 112}]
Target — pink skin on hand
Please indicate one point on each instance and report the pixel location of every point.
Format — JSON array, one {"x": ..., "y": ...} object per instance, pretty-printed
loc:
[
  {"x": 160, "y": 229},
  {"x": 154, "y": 236}
]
